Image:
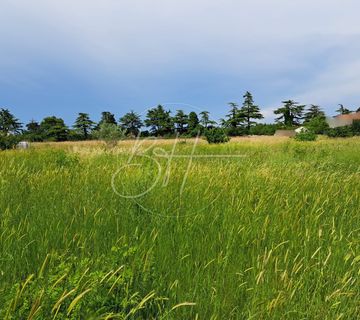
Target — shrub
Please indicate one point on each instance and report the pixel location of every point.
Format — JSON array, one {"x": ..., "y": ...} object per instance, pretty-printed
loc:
[
  {"x": 110, "y": 133},
  {"x": 216, "y": 135},
  {"x": 263, "y": 130},
  {"x": 144, "y": 134},
  {"x": 75, "y": 135},
  {"x": 234, "y": 132},
  {"x": 197, "y": 131},
  {"x": 317, "y": 125},
  {"x": 32, "y": 137},
  {"x": 305, "y": 136},
  {"x": 340, "y": 132},
  {"x": 8, "y": 141},
  {"x": 356, "y": 127}
]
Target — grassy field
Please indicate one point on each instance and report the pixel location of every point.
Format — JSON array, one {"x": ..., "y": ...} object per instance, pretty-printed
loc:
[{"x": 266, "y": 229}]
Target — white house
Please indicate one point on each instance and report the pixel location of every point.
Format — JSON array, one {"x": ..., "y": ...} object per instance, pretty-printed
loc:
[
  {"x": 23, "y": 145},
  {"x": 301, "y": 130}
]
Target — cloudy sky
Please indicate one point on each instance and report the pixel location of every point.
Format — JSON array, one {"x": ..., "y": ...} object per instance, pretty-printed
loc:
[{"x": 64, "y": 57}]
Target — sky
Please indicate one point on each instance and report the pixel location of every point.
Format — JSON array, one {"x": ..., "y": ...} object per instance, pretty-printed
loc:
[{"x": 64, "y": 57}]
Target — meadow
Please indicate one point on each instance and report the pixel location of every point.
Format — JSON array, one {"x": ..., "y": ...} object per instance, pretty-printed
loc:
[{"x": 252, "y": 229}]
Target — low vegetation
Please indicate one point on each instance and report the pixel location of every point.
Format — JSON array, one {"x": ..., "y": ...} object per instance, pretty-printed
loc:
[
  {"x": 306, "y": 136},
  {"x": 216, "y": 135},
  {"x": 271, "y": 232}
]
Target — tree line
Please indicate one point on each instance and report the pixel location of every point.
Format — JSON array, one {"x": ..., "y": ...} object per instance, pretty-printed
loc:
[{"x": 159, "y": 122}]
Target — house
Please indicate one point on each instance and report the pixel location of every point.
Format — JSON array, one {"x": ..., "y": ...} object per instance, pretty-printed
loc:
[
  {"x": 23, "y": 145},
  {"x": 301, "y": 130},
  {"x": 285, "y": 133},
  {"x": 343, "y": 119}
]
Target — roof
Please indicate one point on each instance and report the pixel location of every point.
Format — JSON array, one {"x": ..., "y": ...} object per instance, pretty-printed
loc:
[
  {"x": 343, "y": 119},
  {"x": 350, "y": 116}
]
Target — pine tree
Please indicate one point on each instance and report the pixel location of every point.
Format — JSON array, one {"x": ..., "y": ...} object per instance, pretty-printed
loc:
[
  {"x": 54, "y": 129},
  {"x": 290, "y": 114},
  {"x": 313, "y": 111},
  {"x": 193, "y": 121},
  {"x": 84, "y": 124},
  {"x": 159, "y": 121},
  {"x": 131, "y": 123},
  {"x": 205, "y": 119},
  {"x": 106, "y": 117},
  {"x": 234, "y": 118},
  {"x": 8, "y": 123},
  {"x": 249, "y": 111},
  {"x": 180, "y": 121},
  {"x": 33, "y": 131},
  {"x": 33, "y": 127},
  {"x": 343, "y": 110}
]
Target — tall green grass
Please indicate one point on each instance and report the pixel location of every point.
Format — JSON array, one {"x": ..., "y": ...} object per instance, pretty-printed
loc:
[{"x": 272, "y": 235}]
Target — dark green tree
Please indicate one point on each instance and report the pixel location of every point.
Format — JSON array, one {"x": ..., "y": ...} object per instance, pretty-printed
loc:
[
  {"x": 312, "y": 112},
  {"x": 180, "y": 121},
  {"x": 216, "y": 135},
  {"x": 110, "y": 133},
  {"x": 106, "y": 117},
  {"x": 33, "y": 127},
  {"x": 159, "y": 121},
  {"x": 250, "y": 111},
  {"x": 33, "y": 132},
  {"x": 343, "y": 110},
  {"x": 193, "y": 123},
  {"x": 234, "y": 118},
  {"x": 131, "y": 123},
  {"x": 317, "y": 125},
  {"x": 290, "y": 114},
  {"x": 84, "y": 124},
  {"x": 54, "y": 129},
  {"x": 205, "y": 120},
  {"x": 8, "y": 123}
]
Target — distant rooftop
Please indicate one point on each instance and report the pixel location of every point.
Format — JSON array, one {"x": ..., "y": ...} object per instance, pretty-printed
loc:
[{"x": 343, "y": 119}]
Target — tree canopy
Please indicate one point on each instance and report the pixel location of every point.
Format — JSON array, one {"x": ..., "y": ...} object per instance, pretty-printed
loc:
[
  {"x": 291, "y": 113},
  {"x": 131, "y": 123},
  {"x": 181, "y": 121},
  {"x": 159, "y": 121},
  {"x": 84, "y": 124},
  {"x": 343, "y": 110},
  {"x": 314, "y": 111},
  {"x": 54, "y": 129},
  {"x": 249, "y": 111},
  {"x": 205, "y": 120},
  {"x": 107, "y": 117},
  {"x": 8, "y": 123}
]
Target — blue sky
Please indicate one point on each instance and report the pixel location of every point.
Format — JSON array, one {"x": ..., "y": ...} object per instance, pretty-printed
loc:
[{"x": 64, "y": 57}]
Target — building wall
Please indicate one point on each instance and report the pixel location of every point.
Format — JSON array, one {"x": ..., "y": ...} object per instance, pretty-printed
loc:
[{"x": 343, "y": 120}]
